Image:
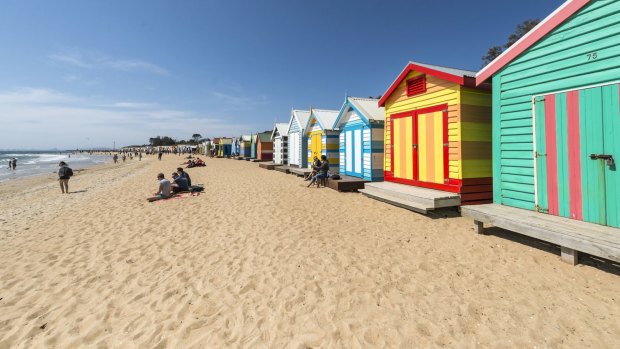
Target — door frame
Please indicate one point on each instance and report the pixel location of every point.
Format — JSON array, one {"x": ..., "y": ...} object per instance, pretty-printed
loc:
[
  {"x": 352, "y": 129},
  {"x": 451, "y": 185}
]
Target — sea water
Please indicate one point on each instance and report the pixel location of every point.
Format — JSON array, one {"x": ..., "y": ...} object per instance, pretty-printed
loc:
[{"x": 37, "y": 162}]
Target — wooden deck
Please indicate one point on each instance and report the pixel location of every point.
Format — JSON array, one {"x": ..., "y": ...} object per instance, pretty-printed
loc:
[
  {"x": 346, "y": 183},
  {"x": 283, "y": 168},
  {"x": 300, "y": 171},
  {"x": 412, "y": 198},
  {"x": 572, "y": 236},
  {"x": 268, "y": 165},
  {"x": 259, "y": 160}
]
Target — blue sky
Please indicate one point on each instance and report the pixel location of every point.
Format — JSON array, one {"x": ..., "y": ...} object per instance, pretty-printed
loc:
[{"x": 88, "y": 73}]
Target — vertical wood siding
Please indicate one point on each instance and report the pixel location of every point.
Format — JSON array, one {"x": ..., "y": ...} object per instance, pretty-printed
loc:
[{"x": 372, "y": 147}]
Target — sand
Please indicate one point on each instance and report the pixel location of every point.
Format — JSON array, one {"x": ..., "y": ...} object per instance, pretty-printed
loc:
[{"x": 260, "y": 261}]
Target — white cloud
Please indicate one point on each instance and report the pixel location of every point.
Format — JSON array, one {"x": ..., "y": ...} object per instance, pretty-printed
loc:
[
  {"x": 239, "y": 100},
  {"x": 34, "y": 96},
  {"x": 75, "y": 60},
  {"x": 44, "y": 118},
  {"x": 136, "y": 65},
  {"x": 100, "y": 61}
]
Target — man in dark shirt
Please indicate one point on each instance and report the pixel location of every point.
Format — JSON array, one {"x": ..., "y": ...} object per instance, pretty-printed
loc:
[
  {"x": 321, "y": 170},
  {"x": 184, "y": 175},
  {"x": 179, "y": 183}
]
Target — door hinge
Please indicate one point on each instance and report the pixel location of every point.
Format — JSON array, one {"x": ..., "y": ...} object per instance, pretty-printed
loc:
[
  {"x": 446, "y": 144},
  {"x": 537, "y": 154}
]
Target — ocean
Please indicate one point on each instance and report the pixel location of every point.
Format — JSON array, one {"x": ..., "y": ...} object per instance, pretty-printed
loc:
[{"x": 37, "y": 162}]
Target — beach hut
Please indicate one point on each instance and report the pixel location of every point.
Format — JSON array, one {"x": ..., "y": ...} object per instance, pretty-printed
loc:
[
  {"x": 297, "y": 140},
  {"x": 245, "y": 142},
  {"x": 215, "y": 145},
  {"x": 225, "y": 147},
  {"x": 235, "y": 147},
  {"x": 279, "y": 137},
  {"x": 253, "y": 145},
  {"x": 322, "y": 138},
  {"x": 556, "y": 130},
  {"x": 438, "y": 135},
  {"x": 264, "y": 146},
  {"x": 360, "y": 123}
]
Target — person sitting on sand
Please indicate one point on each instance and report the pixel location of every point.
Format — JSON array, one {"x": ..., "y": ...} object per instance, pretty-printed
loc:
[
  {"x": 321, "y": 171},
  {"x": 163, "y": 192},
  {"x": 184, "y": 175},
  {"x": 179, "y": 183},
  {"x": 315, "y": 163},
  {"x": 190, "y": 164},
  {"x": 199, "y": 162},
  {"x": 64, "y": 174}
]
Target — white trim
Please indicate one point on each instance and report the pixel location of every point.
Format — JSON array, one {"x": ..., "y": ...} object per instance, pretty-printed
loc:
[
  {"x": 535, "y": 158},
  {"x": 524, "y": 37}
]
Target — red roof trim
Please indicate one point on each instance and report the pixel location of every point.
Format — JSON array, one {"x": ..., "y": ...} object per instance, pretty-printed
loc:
[
  {"x": 442, "y": 75},
  {"x": 547, "y": 25}
]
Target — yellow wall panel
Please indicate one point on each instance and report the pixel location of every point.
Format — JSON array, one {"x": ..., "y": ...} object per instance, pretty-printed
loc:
[
  {"x": 477, "y": 168},
  {"x": 438, "y": 129},
  {"x": 423, "y": 161},
  {"x": 475, "y": 131},
  {"x": 475, "y": 97}
]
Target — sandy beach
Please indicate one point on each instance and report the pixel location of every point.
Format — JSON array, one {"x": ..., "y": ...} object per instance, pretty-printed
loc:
[{"x": 260, "y": 261}]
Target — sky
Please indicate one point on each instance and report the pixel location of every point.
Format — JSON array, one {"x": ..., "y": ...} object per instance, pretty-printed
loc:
[{"x": 86, "y": 74}]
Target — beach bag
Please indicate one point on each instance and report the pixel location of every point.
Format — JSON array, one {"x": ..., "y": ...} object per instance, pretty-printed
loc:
[
  {"x": 196, "y": 188},
  {"x": 66, "y": 172},
  {"x": 335, "y": 176}
]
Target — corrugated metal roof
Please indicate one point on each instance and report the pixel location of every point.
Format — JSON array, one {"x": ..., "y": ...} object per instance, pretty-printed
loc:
[
  {"x": 447, "y": 70},
  {"x": 369, "y": 107},
  {"x": 282, "y": 128},
  {"x": 264, "y": 136},
  {"x": 302, "y": 117},
  {"x": 326, "y": 118}
]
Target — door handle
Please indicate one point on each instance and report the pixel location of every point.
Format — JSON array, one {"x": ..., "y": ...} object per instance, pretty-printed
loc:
[{"x": 609, "y": 159}]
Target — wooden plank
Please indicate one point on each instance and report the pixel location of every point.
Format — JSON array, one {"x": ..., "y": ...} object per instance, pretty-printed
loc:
[
  {"x": 347, "y": 183},
  {"x": 593, "y": 239}
]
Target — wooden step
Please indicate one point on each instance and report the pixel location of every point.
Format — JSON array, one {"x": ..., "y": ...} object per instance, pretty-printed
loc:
[{"x": 395, "y": 200}]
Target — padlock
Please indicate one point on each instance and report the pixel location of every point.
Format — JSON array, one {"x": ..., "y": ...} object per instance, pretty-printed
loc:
[{"x": 610, "y": 162}]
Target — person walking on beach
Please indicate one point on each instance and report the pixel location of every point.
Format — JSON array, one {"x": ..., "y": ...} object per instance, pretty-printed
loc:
[
  {"x": 163, "y": 192},
  {"x": 115, "y": 158},
  {"x": 64, "y": 174},
  {"x": 13, "y": 163},
  {"x": 159, "y": 155}
]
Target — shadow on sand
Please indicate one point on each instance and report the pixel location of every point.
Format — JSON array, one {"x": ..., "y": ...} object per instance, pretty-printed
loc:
[{"x": 585, "y": 259}]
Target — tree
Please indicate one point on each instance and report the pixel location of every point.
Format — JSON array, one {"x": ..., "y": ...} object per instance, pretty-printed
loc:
[
  {"x": 161, "y": 141},
  {"x": 196, "y": 137},
  {"x": 519, "y": 32}
]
